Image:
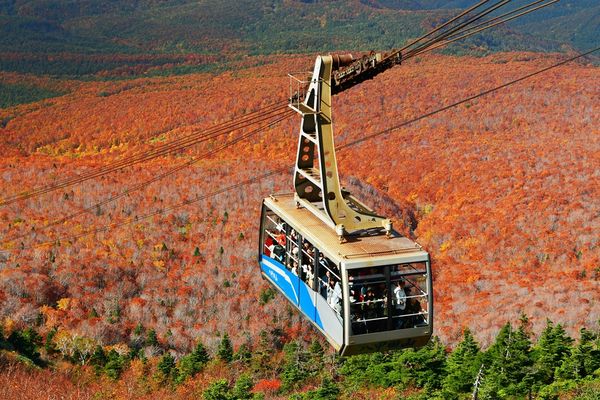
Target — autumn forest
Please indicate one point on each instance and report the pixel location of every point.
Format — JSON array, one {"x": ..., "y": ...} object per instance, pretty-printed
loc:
[{"x": 128, "y": 264}]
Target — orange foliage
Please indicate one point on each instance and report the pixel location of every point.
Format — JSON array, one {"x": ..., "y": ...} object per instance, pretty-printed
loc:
[
  {"x": 502, "y": 192},
  {"x": 267, "y": 386}
]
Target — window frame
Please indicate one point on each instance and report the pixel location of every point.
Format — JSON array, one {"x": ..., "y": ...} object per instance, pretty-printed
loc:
[{"x": 421, "y": 284}]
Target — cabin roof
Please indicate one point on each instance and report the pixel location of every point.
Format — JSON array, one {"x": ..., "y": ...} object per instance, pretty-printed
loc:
[{"x": 369, "y": 248}]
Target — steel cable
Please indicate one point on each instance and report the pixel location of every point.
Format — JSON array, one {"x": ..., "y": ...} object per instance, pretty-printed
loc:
[
  {"x": 171, "y": 147},
  {"x": 176, "y": 147},
  {"x": 458, "y": 27},
  {"x": 436, "y": 29},
  {"x": 454, "y": 38},
  {"x": 281, "y": 116},
  {"x": 341, "y": 148}
]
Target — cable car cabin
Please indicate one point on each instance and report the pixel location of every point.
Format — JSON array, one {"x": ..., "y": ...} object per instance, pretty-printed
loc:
[{"x": 370, "y": 293}]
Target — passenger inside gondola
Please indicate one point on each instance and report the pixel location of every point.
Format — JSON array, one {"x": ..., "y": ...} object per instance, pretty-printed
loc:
[
  {"x": 278, "y": 252},
  {"x": 281, "y": 239},
  {"x": 414, "y": 309},
  {"x": 399, "y": 296},
  {"x": 329, "y": 283},
  {"x": 359, "y": 324},
  {"x": 309, "y": 275},
  {"x": 268, "y": 248},
  {"x": 334, "y": 296},
  {"x": 324, "y": 281}
]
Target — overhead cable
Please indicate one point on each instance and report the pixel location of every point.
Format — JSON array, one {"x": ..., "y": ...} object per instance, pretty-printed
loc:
[
  {"x": 341, "y": 148},
  {"x": 168, "y": 148},
  {"x": 454, "y": 38},
  {"x": 142, "y": 185}
]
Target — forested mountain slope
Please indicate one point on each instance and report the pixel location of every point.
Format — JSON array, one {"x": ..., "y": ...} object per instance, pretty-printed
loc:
[
  {"x": 260, "y": 26},
  {"x": 568, "y": 21},
  {"x": 504, "y": 199},
  {"x": 160, "y": 285},
  {"x": 501, "y": 191}
]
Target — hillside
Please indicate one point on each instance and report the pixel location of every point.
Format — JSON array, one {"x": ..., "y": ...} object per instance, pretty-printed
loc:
[
  {"x": 499, "y": 191},
  {"x": 73, "y": 31},
  {"x": 568, "y": 21},
  {"x": 143, "y": 282},
  {"x": 120, "y": 39},
  {"x": 477, "y": 179}
]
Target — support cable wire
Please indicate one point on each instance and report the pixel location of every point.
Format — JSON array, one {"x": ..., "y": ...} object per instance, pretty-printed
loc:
[
  {"x": 161, "y": 211},
  {"x": 341, "y": 148},
  {"x": 458, "y": 35},
  {"x": 455, "y": 31},
  {"x": 468, "y": 10},
  {"x": 195, "y": 137},
  {"x": 168, "y": 148},
  {"x": 88, "y": 209},
  {"x": 187, "y": 141},
  {"x": 481, "y": 94},
  {"x": 458, "y": 28},
  {"x": 488, "y": 21},
  {"x": 142, "y": 185}
]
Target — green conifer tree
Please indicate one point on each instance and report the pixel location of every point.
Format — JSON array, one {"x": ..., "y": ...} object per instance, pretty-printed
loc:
[
  {"x": 294, "y": 370},
  {"x": 519, "y": 362},
  {"x": 583, "y": 360},
  {"x": 327, "y": 391},
  {"x": 186, "y": 368},
  {"x": 139, "y": 329},
  {"x": 26, "y": 342},
  {"x": 462, "y": 366},
  {"x": 218, "y": 390},
  {"x": 551, "y": 349},
  {"x": 353, "y": 369},
  {"x": 200, "y": 355},
  {"x": 242, "y": 388},
  {"x": 315, "y": 353},
  {"x": 423, "y": 368},
  {"x": 98, "y": 359},
  {"x": 192, "y": 363},
  {"x": 493, "y": 361},
  {"x": 261, "y": 358},
  {"x": 243, "y": 354},
  {"x": 49, "y": 342},
  {"x": 508, "y": 363},
  {"x": 166, "y": 368},
  {"x": 225, "y": 350},
  {"x": 115, "y": 364},
  {"x": 151, "y": 338}
]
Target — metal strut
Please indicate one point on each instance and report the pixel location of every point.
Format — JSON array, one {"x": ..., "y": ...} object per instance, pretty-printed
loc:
[{"x": 316, "y": 179}]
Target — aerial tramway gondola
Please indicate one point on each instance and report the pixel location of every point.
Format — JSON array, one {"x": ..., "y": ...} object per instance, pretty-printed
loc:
[{"x": 361, "y": 284}]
